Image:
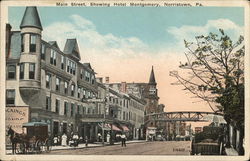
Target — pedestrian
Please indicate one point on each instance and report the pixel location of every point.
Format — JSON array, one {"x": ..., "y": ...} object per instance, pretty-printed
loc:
[
  {"x": 108, "y": 138},
  {"x": 55, "y": 139},
  {"x": 86, "y": 141},
  {"x": 99, "y": 137},
  {"x": 123, "y": 138},
  {"x": 64, "y": 139}
]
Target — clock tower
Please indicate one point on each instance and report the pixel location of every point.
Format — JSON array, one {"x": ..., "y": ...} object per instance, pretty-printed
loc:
[{"x": 152, "y": 97}]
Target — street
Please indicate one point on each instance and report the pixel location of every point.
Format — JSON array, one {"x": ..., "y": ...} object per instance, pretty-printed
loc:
[{"x": 145, "y": 148}]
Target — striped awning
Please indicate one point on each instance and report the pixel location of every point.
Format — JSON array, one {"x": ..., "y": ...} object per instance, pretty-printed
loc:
[
  {"x": 115, "y": 128},
  {"x": 105, "y": 126},
  {"x": 125, "y": 128},
  {"x": 108, "y": 127}
]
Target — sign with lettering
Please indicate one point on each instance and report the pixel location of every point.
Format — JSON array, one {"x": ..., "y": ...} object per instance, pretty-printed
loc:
[{"x": 16, "y": 116}]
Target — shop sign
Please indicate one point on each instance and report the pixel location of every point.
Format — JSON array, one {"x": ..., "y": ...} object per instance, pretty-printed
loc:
[{"x": 15, "y": 117}]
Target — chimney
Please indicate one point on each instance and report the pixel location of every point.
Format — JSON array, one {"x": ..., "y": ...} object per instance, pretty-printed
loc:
[
  {"x": 107, "y": 80},
  {"x": 124, "y": 87},
  {"x": 7, "y": 38}
]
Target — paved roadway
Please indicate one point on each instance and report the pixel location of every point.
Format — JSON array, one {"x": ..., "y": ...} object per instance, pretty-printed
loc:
[{"x": 145, "y": 148}]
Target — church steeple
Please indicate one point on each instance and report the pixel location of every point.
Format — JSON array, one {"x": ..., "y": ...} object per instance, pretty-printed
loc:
[
  {"x": 152, "y": 77},
  {"x": 31, "y": 18}
]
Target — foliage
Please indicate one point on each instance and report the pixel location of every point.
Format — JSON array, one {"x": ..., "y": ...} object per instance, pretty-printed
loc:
[
  {"x": 215, "y": 73},
  {"x": 209, "y": 132}
]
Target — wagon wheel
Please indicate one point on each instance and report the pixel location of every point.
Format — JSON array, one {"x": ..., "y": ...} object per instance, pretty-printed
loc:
[
  {"x": 20, "y": 148},
  {"x": 48, "y": 145},
  {"x": 40, "y": 146}
]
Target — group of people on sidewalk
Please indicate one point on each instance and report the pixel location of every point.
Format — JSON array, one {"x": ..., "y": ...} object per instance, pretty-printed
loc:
[{"x": 74, "y": 140}]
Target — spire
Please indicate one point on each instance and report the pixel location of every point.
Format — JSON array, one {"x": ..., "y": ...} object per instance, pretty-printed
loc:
[
  {"x": 31, "y": 18},
  {"x": 152, "y": 77}
]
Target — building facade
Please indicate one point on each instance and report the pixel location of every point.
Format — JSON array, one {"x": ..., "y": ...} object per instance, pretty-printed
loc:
[{"x": 47, "y": 84}]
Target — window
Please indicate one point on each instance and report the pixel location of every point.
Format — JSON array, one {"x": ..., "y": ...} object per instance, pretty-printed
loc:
[
  {"x": 74, "y": 68},
  {"x": 31, "y": 71},
  {"x": 72, "y": 109},
  {"x": 21, "y": 71},
  {"x": 87, "y": 76},
  {"x": 33, "y": 43},
  {"x": 78, "y": 109},
  {"x": 11, "y": 73},
  {"x": 84, "y": 110},
  {"x": 43, "y": 52},
  {"x": 68, "y": 67},
  {"x": 123, "y": 115},
  {"x": 10, "y": 97},
  {"x": 72, "y": 90},
  {"x": 84, "y": 93},
  {"x": 58, "y": 84},
  {"x": 71, "y": 67},
  {"x": 53, "y": 57},
  {"x": 88, "y": 94},
  {"x": 93, "y": 79},
  {"x": 22, "y": 43},
  {"x": 62, "y": 62},
  {"x": 81, "y": 74},
  {"x": 48, "y": 80},
  {"x": 57, "y": 106},
  {"x": 65, "y": 108},
  {"x": 78, "y": 92},
  {"x": 48, "y": 102},
  {"x": 66, "y": 84}
]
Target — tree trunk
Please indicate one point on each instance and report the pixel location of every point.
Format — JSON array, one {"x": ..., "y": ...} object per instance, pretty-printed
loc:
[
  {"x": 227, "y": 132},
  {"x": 240, "y": 146}
]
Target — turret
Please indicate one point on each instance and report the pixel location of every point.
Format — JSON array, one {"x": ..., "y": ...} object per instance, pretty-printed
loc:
[{"x": 31, "y": 29}]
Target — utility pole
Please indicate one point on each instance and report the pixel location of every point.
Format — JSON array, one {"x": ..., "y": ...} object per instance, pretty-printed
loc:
[{"x": 106, "y": 103}]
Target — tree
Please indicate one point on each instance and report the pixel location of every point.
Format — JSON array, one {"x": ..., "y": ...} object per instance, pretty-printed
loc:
[{"x": 215, "y": 74}]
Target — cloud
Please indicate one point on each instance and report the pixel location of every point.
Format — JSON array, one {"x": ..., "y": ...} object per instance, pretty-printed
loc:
[
  {"x": 130, "y": 59},
  {"x": 90, "y": 40},
  {"x": 189, "y": 32}
]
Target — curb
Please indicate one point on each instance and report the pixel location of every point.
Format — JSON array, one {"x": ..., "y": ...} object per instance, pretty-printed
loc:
[{"x": 95, "y": 146}]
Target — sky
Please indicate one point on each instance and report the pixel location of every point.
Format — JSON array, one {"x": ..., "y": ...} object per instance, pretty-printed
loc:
[{"x": 125, "y": 42}]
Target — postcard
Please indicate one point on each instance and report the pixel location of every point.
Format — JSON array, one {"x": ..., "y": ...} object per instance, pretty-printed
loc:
[{"x": 124, "y": 80}]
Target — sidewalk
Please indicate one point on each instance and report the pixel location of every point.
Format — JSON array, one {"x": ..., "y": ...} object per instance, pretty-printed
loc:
[
  {"x": 90, "y": 145},
  {"x": 93, "y": 145}
]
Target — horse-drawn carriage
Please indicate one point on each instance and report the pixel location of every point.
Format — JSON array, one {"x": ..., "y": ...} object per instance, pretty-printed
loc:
[{"x": 36, "y": 140}]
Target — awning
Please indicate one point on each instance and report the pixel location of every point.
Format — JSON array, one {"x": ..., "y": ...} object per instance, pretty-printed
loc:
[
  {"x": 125, "y": 128},
  {"x": 105, "y": 127},
  {"x": 34, "y": 124},
  {"x": 115, "y": 128}
]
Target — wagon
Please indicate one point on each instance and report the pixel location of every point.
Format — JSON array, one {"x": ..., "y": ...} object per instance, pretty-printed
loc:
[{"x": 36, "y": 140}]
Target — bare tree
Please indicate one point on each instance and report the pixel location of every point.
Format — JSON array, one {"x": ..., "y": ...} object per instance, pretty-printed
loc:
[
  {"x": 215, "y": 74},
  {"x": 214, "y": 63}
]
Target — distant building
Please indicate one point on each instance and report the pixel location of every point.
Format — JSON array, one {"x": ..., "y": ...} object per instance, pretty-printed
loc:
[{"x": 148, "y": 92}]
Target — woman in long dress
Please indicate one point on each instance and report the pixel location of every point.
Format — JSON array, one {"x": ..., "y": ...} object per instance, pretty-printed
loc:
[{"x": 64, "y": 140}]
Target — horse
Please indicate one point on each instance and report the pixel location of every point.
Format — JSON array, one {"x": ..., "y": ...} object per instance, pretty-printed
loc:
[{"x": 16, "y": 138}]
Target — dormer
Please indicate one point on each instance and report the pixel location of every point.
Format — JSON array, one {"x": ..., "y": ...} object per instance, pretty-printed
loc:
[{"x": 71, "y": 48}]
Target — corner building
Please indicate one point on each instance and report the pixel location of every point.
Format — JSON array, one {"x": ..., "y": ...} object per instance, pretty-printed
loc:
[{"x": 51, "y": 84}]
